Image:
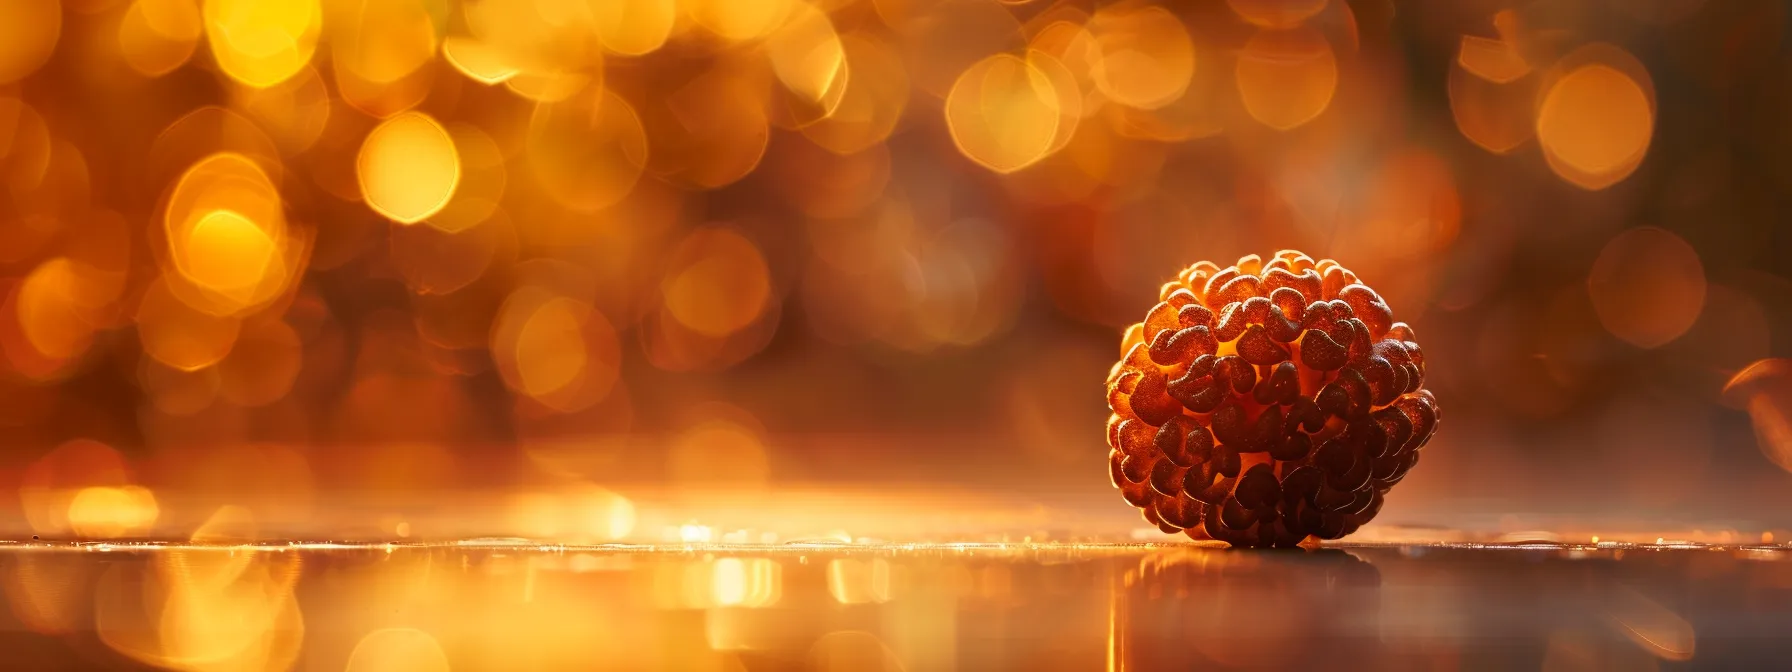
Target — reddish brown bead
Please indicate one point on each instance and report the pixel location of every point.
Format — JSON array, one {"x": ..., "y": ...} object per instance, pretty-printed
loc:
[{"x": 1266, "y": 403}]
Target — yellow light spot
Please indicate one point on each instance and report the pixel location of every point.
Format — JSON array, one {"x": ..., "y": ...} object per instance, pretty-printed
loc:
[
  {"x": 633, "y": 27},
  {"x": 1003, "y": 113},
  {"x": 1596, "y": 120},
  {"x": 714, "y": 131},
  {"x": 477, "y": 60},
  {"x": 730, "y": 582},
  {"x": 382, "y": 41},
  {"x": 51, "y": 482},
  {"x": 550, "y": 349},
  {"x": 1492, "y": 98},
  {"x": 552, "y": 86},
  {"x": 722, "y": 284},
  {"x": 1496, "y": 61},
  {"x": 397, "y": 650},
  {"x": 872, "y": 102},
  {"x": 227, "y": 236},
  {"x": 855, "y": 581},
  {"x": 806, "y": 55},
  {"x": 262, "y": 42},
  {"x": 692, "y": 533},
  {"x": 555, "y": 350},
  {"x": 295, "y": 113},
  {"x": 482, "y": 183},
  {"x": 737, "y": 20},
  {"x": 1647, "y": 286},
  {"x": 1146, "y": 56},
  {"x": 28, "y": 33},
  {"x": 228, "y": 251},
  {"x": 588, "y": 150},
  {"x": 57, "y": 308},
  {"x": 1286, "y": 77},
  {"x": 157, "y": 36},
  {"x": 408, "y": 168},
  {"x": 178, "y": 334},
  {"x": 109, "y": 513},
  {"x": 718, "y": 454}
]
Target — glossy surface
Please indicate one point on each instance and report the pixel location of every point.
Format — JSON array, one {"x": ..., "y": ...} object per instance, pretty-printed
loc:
[{"x": 504, "y": 605}]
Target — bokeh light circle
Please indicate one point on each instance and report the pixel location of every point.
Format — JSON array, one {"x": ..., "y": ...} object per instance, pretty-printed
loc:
[
  {"x": 1286, "y": 78},
  {"x": 262, "y": 42},
  {"x": 1596, "y": 116},
  {"x": 1003, "y": 113},
  {"x": 1146, "y": 55},
  {"x": 408, "y": 168},
  {"x": 28, "y": 33},
  {"x": 718, "y": 283},
  {"x": 1648, "y": 286}
]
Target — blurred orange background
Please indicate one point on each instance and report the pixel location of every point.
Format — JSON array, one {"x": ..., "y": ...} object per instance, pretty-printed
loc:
[{"x": 720, "y": 270}]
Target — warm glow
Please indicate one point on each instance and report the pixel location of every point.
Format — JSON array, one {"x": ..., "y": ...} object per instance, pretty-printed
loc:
[
  {"x": 550, "y": 348},
  {"x": 721, "y": 285},
  {"x": 229, "y": 253},
  {"x": 262, "y": 42},
  {"x": 633, "y": 27},
  {"x": 580, "y": 513},
  {"x": 555, "y": 350},
  {"x": 157, "y": 36},
  {"x": 58, "y": 306},
  {"x": 110, "y": 513},
  {"x": 1596, "y": 120},
  {"x": 408, "y": 168},
  {"x": 737, "y": 19},
  {"x": 1146, "y": 56},
  {"x": 1003, "y": 113},
  {"x": 1496, "y": 61},
  {"x": 479, "y": 61},
  {"x": 382, "y": 41},
  {"x": 397, "y": 650},
  {"x": 179, "y": 335},
  {"x": 227, "y": 236},
  {"x": 588, "y": 150},
  {"x": 806, "y": 55},
  {"x": 1648, "y": 286},
  {"x": 51, "y": 483},
  {"x": 28, "y": 32},
  {"x": 718, "y": 454},
  {"x": 856, "y": 581},
  {"x": 1286, "y": 77},
  {"x": 1495, "y": 114},
  {"x": 872, "y": 102}
]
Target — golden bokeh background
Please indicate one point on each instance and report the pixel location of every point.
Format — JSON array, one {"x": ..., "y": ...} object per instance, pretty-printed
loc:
[{"x": 762, "y": 270}]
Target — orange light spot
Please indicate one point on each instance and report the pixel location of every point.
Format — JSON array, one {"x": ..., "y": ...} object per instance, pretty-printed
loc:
[
  {"x": 1286, "y": 78},
  {"x": 1648, "y": 286},
  {"x": 408, "y": 168},
  {"x": 719, "y": 283},
  {"x": 1597, "y": 117},
  {"x": 1003, "y": 113}
]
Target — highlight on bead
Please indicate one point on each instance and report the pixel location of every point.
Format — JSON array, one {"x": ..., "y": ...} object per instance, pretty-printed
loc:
[{"x": 1266, "y": 403}]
